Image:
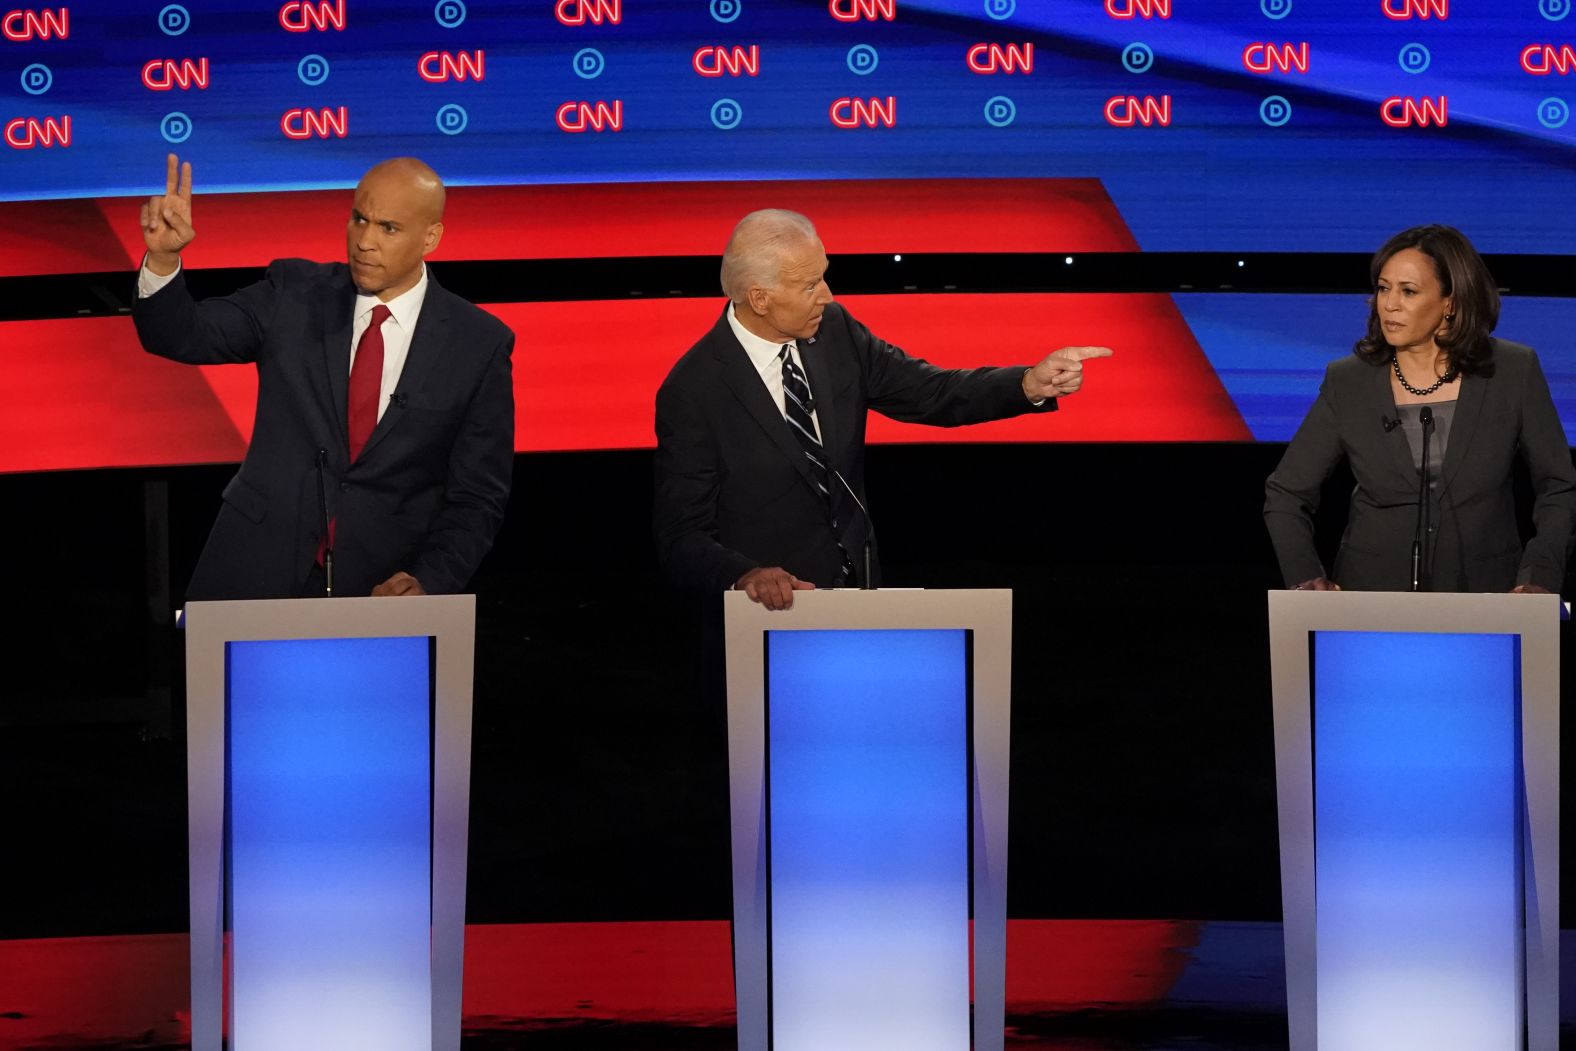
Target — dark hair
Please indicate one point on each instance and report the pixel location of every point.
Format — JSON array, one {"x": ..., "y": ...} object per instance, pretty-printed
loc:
[{"x": 1463, "y": 276}]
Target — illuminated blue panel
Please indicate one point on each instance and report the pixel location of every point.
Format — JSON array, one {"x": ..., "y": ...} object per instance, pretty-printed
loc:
[
  {"x": 869, "y": 817},
  {"x": 1418, "y": 876},
  {"x": 330, "y": 819}
]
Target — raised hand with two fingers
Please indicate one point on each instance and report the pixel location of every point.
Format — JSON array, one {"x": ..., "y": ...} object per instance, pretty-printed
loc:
[{"x": 167, "y": 218}]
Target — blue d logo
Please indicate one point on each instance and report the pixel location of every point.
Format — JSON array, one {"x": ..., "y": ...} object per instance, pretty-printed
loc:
[
  {"x": 1137, "y": 58},
  {"x": 175, "y": 127},
  {"x": 726, "y": 114},
  {"x": 589, "y": 63},
  {"x": 175, "y": 20},
  {"x": 862, "y": 59},
  {"x": 1275, "y": 111},
  {"x": 452, "y": 119},
  {"x": 36, "y": 79},
  {"x": 1000, "y": 111},
  {"x": 313, "y": 70}
]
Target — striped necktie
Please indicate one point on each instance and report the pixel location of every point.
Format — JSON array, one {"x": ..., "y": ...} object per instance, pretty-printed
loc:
[{"x": 797, "y": 406}]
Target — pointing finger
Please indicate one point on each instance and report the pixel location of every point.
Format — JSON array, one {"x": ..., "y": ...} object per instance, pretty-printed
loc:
[
  {"x": 171, "y": 166},
  {"x": 1083, "y": 353},
  {"x": 186, "y": 181}
]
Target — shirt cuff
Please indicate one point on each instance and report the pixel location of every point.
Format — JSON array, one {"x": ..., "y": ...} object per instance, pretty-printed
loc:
[{"x": 148, "y": 282}]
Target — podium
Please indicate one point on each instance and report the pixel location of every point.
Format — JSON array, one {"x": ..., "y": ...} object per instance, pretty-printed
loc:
[
  {"x": 328, "y": 775},
  {"x": 868, "y": 753},
  {"x": 1417, "y": 769}
]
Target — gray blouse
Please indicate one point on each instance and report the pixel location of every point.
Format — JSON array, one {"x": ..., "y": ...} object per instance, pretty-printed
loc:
[{"x": 1412, "y": 424}]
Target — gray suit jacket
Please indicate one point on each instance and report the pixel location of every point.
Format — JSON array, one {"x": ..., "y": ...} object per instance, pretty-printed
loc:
[{"x": 1475, "y": 545}]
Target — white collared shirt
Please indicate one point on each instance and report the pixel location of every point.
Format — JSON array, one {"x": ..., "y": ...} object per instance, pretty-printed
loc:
[
  {"x": 404, "y": 310},
  {"x": 766, "y": 356}
]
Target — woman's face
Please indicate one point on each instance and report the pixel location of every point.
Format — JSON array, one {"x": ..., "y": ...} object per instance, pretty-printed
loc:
[{"x": 1409, "y": 300}]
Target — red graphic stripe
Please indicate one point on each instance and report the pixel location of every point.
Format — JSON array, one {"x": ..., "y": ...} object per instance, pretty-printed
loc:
[{"x": 587, "y": 221}]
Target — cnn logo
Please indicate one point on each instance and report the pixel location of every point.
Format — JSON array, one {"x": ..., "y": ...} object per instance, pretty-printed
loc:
[
  {"x": 576, "y": 117},
  {"x": 37, "y": 25},
  {"x": 26, "y": 133},
  {"x": 166, "y": 74},
  {"x": 315, "y": 123}
]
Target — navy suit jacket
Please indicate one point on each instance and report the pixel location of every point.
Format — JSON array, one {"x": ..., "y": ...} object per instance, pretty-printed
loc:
[
  {"x": 428, "y": 492},
  {"x": 1476, "y": 545},
  {"x": 733, "y": 486}
]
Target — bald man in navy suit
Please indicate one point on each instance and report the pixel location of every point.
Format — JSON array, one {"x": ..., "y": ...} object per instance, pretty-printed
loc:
[{"x": 407, "y": 458}]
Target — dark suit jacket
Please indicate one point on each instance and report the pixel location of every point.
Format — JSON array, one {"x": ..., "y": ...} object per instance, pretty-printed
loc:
[
  {"x": 428, "y": 492},
  {"x": 1476, "y": 546},
  {"x": 733, "y": 487}
]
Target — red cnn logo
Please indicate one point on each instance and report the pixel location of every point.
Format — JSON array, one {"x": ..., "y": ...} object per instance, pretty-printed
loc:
[
  {"x": 1401, "y": 112},
  {"x": 1400, "y": 10},
  {"x": 1267, "y": 58},
  {"x": 1542, "y": 59},
  {"x": 579, "y": 12},
  {"x": 590, "y": 116},
  {"x": 315, "y": 123},
  {"x": 24, "y": 133},
  {"x": 437, "y": 66},
  {"x": 301, "y": 16},
  {"x": 1138, "y": 8},
  {"x": 36, "y": 25},
  {"x": 163, "y": 74},
  {"x": 715, "y": 61},
  {"x": 865, "y": 113},
  {"x": 1124, "y": 111},
  {"x": 862, "y": 10},
  {"x": 994, "y": 58}
]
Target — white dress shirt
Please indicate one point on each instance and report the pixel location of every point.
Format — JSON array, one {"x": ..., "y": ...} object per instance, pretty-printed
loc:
[
  {"x": 766, "y": 356},
  {"x": 404, "y": 309}
]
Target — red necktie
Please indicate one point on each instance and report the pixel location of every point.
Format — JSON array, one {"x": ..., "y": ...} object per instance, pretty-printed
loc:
[{"x": 366, "y": 382}]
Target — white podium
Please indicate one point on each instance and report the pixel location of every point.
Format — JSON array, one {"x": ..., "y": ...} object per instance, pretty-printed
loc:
[
  {"x": 1417, "y": 767},
  {"x": 328, "y": 778},
  {"x": 868, "y": 755}
]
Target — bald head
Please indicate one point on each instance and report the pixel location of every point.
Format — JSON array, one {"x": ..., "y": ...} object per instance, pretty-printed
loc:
[
  {"x": 397, "y": 218},
  {"x": 760, "y": 245},
  {"x": 412, "y": 178}
]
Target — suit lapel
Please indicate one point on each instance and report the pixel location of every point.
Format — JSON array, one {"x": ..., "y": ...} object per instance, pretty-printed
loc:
[
  {"x": 338, "y": 306},
  {"x": 745, "y": 384},
  {"x": 1383, "y": 399},
  {"x": 425, "y": 349},
  {"x": 816, "y": 369},
  {"x": 1469, "y": 408}
]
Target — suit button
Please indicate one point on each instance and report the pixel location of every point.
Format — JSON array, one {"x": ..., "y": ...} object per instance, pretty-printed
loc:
[
  {"x": 344, "y": 487},
  {"x": 834, "y": 523},
  {"x": 1430, "y": 529}
]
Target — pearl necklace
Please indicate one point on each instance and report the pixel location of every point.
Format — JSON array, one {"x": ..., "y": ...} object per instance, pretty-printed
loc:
[{"x": 1450, "y": 374}]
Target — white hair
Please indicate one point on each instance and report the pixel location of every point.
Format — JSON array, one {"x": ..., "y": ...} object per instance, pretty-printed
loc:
[{"x": 754, "y": 253}]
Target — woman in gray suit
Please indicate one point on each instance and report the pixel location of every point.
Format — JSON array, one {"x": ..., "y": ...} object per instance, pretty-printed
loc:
[{"x": 1429, "y": 356}]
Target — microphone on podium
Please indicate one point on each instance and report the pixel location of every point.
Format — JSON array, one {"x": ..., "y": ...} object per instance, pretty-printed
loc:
[{"x": 870, "y": 529}]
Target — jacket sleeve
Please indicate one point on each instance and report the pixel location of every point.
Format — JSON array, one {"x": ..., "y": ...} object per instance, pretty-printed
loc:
[
  {"x": 915, "y": 391},
  {"x": 476, "y": 490},
  {"x": 1546, "y": 450},
  {"x": 1291, "y": 493},
  {"x": 225, "y": 330},
  {"x": 684, "y": 515}
]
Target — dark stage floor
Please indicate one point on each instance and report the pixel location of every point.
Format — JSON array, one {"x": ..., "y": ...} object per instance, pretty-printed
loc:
[{"x": 1072, "y": 985}]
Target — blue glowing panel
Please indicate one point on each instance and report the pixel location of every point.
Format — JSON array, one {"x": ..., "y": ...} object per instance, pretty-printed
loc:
[
  {"x": 1417, "y": 810},
  {"x": 330, "y": 837},
  {"x": 869, "y": 839}
]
